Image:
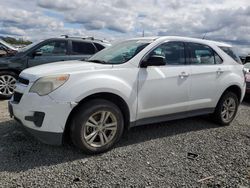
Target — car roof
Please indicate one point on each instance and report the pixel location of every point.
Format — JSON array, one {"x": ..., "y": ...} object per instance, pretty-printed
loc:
[
  {"x": 185, "y": 39},
  {"x": 87, "y": 39}
]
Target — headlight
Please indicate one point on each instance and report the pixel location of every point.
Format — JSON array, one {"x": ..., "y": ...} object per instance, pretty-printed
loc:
[{"x": 45, "y": 85}]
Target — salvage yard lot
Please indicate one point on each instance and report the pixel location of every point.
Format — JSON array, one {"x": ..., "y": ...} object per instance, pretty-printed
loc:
[{"x": 152, "y": 156}]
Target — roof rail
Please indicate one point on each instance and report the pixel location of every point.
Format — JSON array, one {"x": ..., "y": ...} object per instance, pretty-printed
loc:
[
  {"x": 66, "y": 36},
  {"x": 85, "y": 38}
]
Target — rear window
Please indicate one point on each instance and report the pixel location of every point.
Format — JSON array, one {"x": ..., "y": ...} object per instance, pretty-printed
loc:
[{"x": 231, "y": 53}]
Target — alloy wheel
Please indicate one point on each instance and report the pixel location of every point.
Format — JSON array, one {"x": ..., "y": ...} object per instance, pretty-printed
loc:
[
  {"x": 228, "y": 109},
  {"x": 100, "y": 128},
  {"x": 7, "y": 85}
]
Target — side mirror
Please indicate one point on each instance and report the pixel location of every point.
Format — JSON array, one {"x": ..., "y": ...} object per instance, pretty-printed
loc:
[
  {"x": 37, "y": 53},
  {"x": 154, "y": 60}
]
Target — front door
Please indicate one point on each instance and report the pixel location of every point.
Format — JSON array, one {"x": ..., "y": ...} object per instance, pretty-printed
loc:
[
  {"x": 163, "y": 90},
  {"x": 52, "y": 51}
]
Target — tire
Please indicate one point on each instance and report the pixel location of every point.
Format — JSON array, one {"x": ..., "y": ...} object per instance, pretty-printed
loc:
[
  {"x": 219, "y": 115},
  {"x": 7, "y": 84},
  {"x": 98, "y": 135}
]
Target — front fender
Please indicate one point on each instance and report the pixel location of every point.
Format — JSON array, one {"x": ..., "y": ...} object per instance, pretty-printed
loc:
[{"x": 123, "y": 85}]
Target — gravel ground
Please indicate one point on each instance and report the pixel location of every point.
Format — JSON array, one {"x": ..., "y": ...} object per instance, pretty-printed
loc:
[{"x": 148, "y": 156}]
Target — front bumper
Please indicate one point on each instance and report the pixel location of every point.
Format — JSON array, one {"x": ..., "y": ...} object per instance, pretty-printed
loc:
[
  {"x": 45, "y": 137},
  {"x": 48, "y": 128}
]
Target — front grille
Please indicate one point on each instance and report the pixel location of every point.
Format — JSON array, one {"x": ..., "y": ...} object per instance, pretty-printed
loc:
[
  {"x": 17, "y": 97},
  {"x": 23, "y": 81}
]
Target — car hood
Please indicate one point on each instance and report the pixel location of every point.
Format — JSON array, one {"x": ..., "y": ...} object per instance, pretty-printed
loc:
[{"x": 66, "y": 67}]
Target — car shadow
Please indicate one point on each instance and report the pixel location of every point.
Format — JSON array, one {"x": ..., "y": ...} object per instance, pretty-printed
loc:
[
  {"x": 19, "y": 151},
  {"x": 246, "y": 101},
  {"x": 165, "y": 129}
]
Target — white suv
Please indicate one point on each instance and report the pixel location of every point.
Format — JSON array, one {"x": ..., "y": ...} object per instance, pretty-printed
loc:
[{"x": 135, "y": 82}]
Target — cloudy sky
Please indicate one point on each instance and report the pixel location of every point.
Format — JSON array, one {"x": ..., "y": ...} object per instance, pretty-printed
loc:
[{"x": 222, "y": 20}]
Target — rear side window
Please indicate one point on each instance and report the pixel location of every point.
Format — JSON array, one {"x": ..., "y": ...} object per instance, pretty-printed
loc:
[
  {"x": 82, "y": 48},
  {"x": 203, "y": 55},
  {"x": 229, "y": 51},
  {"x": 99, "y": 46}
]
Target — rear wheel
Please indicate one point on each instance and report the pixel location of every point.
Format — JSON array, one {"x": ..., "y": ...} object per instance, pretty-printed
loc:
[
  {"x": 7, "y": 84},
  {"x": 226, "y": 109},
  {"x": 97, "y": 126}
]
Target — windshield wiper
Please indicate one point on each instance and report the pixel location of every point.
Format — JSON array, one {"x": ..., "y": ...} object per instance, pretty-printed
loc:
[{"x": 97, "y": 61}]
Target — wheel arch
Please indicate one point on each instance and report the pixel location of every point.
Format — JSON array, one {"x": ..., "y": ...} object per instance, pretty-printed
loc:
[
  {"x": 11, "y": 70},
  {"x": 116, "y": 99},
  {"x": 234, "y": 89}
]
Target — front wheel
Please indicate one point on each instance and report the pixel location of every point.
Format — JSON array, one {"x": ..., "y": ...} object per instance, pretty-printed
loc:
[
  {"x": 7, "y": 84},
  {"x": 226, "y": 109},
  {"x": 97, "y": 126}
]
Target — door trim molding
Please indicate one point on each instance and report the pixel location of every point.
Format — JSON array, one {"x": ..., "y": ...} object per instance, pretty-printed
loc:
[{"x": 173, "y": 116}]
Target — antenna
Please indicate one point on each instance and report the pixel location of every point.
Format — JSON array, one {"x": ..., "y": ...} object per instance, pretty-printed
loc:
[{"x": 204, "y": 36}]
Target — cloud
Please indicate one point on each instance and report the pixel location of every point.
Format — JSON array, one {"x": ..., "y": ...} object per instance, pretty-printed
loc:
[
  {"x": 23, "y": 19},
  {"x": 60, "y": 5},
  {"x": 224, "y": 20}
]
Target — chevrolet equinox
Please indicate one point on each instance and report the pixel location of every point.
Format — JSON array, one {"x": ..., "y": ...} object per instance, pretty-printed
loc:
[{"x": 134, "y": 82}]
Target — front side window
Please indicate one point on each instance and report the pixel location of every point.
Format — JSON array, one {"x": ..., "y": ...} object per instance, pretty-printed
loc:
[
  {"x": 229, "y": 51},
  {"x": 120, "y": 52},
  {"x": 172, "y": 52},
  {"x": 53, "y": 48},
  {"x": 82, "y": 48},
  {"x": 203, "y": 55}
]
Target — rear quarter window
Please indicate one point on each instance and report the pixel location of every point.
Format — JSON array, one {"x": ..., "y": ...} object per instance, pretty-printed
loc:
[
  {"x": 99, "y": 46},
  {"x": 229, "y": 51}
]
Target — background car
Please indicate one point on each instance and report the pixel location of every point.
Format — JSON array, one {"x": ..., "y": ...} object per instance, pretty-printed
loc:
[
  {"x": 47, "y": 51},
  {"x": 247, "y": 67},
  {"x": 6, "y": 49}
]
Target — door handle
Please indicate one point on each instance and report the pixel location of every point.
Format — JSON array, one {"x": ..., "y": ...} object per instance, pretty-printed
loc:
[
  {"x": 219, "y": 71},
  {"x": 183, "y": 75}
]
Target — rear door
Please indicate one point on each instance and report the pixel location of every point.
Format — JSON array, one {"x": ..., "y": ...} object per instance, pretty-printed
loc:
[
  {"x": 81, "y": 50},
  {"x": 206, "y": 72},
  {"x": 48, "y": 52}
]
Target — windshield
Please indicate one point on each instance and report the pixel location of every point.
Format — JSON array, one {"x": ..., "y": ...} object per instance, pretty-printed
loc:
[
  {"x": 7, "y": 45},
  {"x": 29, "y": 46},
  {"x": 120, "y": 52}
]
